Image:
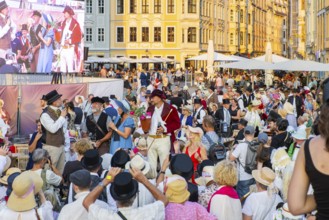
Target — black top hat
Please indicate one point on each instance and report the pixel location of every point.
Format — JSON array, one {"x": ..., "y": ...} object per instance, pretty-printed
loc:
[
  {"x": 3, "y": 5},
  {"x": 119, "y": 159},
  {"x": 97, "y": 99},
  {"x": 203, "y": 164},
  {"x": 24, "y": 27},
  {"x": 112, "y": 97},
  {"x": 243, "y": 122},
  {"x": 91, "y": 160},
  {"x": 106, "y": 99},
  {"x": 249, "y": 89},
  {"x": 212, "y": 88},
  {"x": 182, "y": 165},
  {"x": 52, "y": 96},
  {"x": 37, "y": 13},
  {"x": 159, "y": 93},
  {"x": 226, "y": 101},
  {"x": 197, "y": 101},
  {"x": 44, "y": 98},
  {"x": 124, "y": 187},
  {"x": 69, "y": 10},
  {"x": 81, "y": 178}
]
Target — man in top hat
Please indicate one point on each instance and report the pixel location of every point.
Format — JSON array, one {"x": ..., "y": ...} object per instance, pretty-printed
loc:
[
  {"x": 7, "y": 30},
  {"x": 212, "y": 96},
  {"x": 297, "y": 103},
  {"x": 164, "y": 122},
  {"x": 96, "y": 125},
  {"x": 247, "y": 97},
  {"x": 71, "y": 38},
  {"x": 198, "y": 113},
  {"x": 35, "y": 29},
  {"x": 223, "y": 114},
  {"x": 124, "y": 188},
  {"x": 54, "y": 127},
  {"x": 81, "y": 181}
]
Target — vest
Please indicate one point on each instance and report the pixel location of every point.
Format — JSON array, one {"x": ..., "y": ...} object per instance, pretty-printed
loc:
[
  {"x": 5, "y": 41},
  {"x": 54, "y": 139},
  {"x": 92, "y": 128},
  {"x": 34, "y": 35}
]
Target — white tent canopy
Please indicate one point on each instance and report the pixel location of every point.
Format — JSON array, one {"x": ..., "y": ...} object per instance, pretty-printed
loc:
[
  {"x": 301, "y": 65},
  {"x": 94, "y": 59},
  {"x": 238, "y": 58},
  {"x": 217, "y": 57},
  {"x": 144, "y": 60},
  {"x": 248, "y": 65},
  {"x": 275, "y": 58}
]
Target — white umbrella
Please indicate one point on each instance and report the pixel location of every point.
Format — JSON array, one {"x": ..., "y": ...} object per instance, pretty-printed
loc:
[
  {"x": 301, "y": 65},
  {"x": 95, "y": 59},
  {"x": 238, "y": 58},
  {"x": 217, "y": 57},
  {"x": 114, "y": 60},
  {"x": 210, "y": 58},
  {"x": 248, "y": 65},
  {"x": 275, "y": 58},
  {"x": 268, "y": 58},
  {"x": 125, "y": 59},
  {"x": 143, "y": 60}
]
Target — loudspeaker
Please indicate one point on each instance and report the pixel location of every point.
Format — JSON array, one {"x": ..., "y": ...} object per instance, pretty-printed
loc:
[{"x": 85, "y": 53}]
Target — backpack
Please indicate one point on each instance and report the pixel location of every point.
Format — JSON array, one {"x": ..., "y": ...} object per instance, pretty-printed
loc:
[
  {"x": 251, "y": 162},
  {"x": 217, "y": 151},
  {"x": 288, "y": 140},
  {"x": 50, "y": 192}
]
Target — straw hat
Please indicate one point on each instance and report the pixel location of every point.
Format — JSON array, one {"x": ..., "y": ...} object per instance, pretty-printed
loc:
[
  {"x": 176, "y": 189},
  {"x": 207, "y": 176},
  {"x": 256, "y": 103},
  {"x": 138, "y": 163},
  {"x": 142, "y": 144},
  {"x": 282, "y": 112},
  {"x": 196, "y": 130},
  {"x": 7, "y": 165},
  {"x": 213, "y": 104},
  {"x": 265, "y": 176},
  {"x": 76, "y": 99},
  {"x": 10, "y": 171},
  {"x": 289, "y": 108},
  {"x": 25, "y": 186},
  {"x": 188, "y": 108},
  {"x": 280, "y": 159}
]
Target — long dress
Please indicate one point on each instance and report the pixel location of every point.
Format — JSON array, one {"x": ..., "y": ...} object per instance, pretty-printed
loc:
[
  {"x": 120, "y": 142},
  {"x": 46, "y": 54}
]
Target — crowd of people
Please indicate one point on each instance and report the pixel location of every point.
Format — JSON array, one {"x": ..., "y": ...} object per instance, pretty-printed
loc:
[{"x": 231, "y": 149}]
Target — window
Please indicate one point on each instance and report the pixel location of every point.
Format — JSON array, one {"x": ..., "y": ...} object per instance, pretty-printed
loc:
[
  {"x": 120, "y": 34},
  {"x": 231, "y": 38},
  {"x": 157, "y": 34},
  {"x": 89, "y": 34},
  {"x": 241, "y": 16},
  {"x": 284, "y": 21},
  {"x": 157, "y": 6},
  {"x": 249, "y": 18},
  {"x": 191, "y": 35},
  {"x": 89, "y": 7},
  {"x": 145, "y": 34},
  {"x": 183, "y": 6},
  {"x": 191, "y": 6},
  {"x": 101, "y": 34},
  {"x": 170, "y": 6},
  {"x": 231, "y": 16},
  {"x": 120, "y": 6},
  {"x": 133, "y": 34},
  {"x": 241, "y": 38},
  {"x": 284, "y": 34},
  {"x": 145, "y": 66},
  {"x": 183, "y": 35},
  {"x": 145, "y": 6},
  {"x": 284, "y": 48},
  {"x": 249, "y": 39},
  {"x": 101, "y": 6},
  {"x": 171, "y": 34},
  {"x": 133, "y": 6}
]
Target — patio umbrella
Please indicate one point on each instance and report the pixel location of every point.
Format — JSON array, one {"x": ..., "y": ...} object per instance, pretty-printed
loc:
[
  {"x": 275, "y": 58},
  {"x": 217, "y": 57},
  {"x": 210, "y": 58},
  {"x": 301, "y": 65},
  {"x": 269, "y": 59},
  {"x": 248, "y": 65}
]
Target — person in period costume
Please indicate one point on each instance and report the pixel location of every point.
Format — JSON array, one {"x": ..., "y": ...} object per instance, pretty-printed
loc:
[
  {"x": 35, "y": 29},
  {"x": 54, "y": 124},
  {"x": 71, "y": 38},
  {"x": 165, "y": 121},
  {"x": 23, "y": 47},
  {"x": 7, "y": 30}
]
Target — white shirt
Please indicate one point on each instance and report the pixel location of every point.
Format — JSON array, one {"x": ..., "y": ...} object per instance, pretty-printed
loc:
[
  {"x": 4, "y": 127},
  {"x": 4, "y": 30},
  {"x": 51, "y": 177},
  {"x": 253, "y": 119},
  {"x": 76, "y": 211},
  {"x": 3, "y": 161},
  {"x": 202, "y": 114},
  {"x": 86, "y": 107},
  {"x": 45, "y": 212},
  {"x": 241, "y": 104},
  {"x": 240, "y": 152},
  {"x": 51, "y": 125},
  {"x": 66, "y": 32},
  {"x": 154, "y": 211},
  {"x": 144, "y": 196},
  {"x": 261, "y": 206},
  {"x": 156, "y": 118}
]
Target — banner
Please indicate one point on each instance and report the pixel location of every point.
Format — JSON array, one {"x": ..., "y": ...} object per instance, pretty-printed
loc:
[
  {"x": 42, "y": 36},
  {"x": 31, "y": 95},
  {"x": 9, "y": 95}
]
